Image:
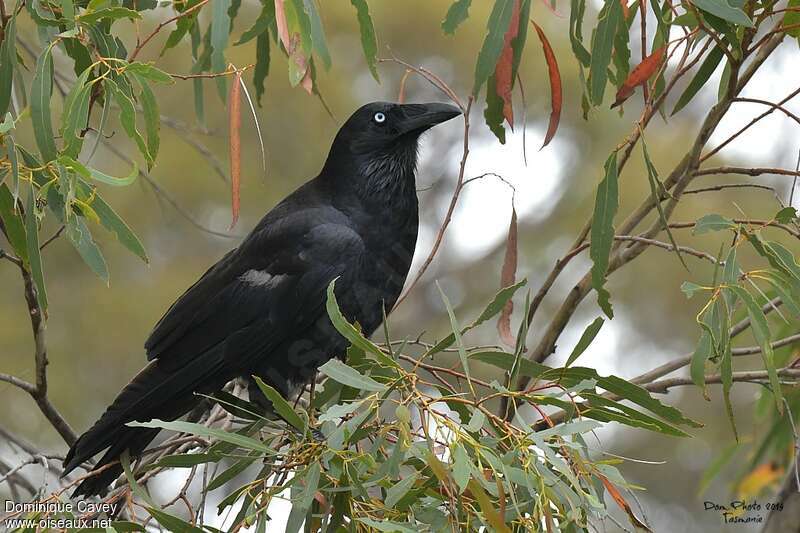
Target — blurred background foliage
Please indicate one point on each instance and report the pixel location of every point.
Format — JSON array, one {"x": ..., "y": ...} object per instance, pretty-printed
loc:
[{"x": 96, "y": 331}]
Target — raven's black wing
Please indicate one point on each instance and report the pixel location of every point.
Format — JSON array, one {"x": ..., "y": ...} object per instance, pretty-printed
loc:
[{"x": 262, "y": 292}]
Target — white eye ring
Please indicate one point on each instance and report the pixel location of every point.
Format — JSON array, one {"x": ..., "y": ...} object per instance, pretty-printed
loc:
[{"x": 379, "y": 118}]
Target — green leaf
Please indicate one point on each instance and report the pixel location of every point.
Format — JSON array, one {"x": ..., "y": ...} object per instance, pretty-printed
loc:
[
  {"x": 461, "y": 466},
  {"x": 606, "y": 410},
  {"x": 657, "y": 190},
  {"x": 621, "y": 53},
  {"x": 761, "y": 333},
  {"x": 127, "y": 117},
  {"x": 347, "y": 375},
  {"x": 152, "y": 121},
  {"x": 318, "y": 33},
  {"x": 34, "y": 257},
  {"x": 786, "y": 215},
  {"x": 41, "y": 88},
  {"x": 602, "y": 46},
  {"x": 387, "y": 526},
  {"x": 477, "y": 420},
  {"x": 116, "y": 182},
  {"x": 281, "y": 406},
  {"x": 705, "y": 71},
  {"x": 368, "y": 41},
  {"x": 576, "y": 14},
  {"x": 184, "y": 24},
  {"x": 260, "y": 26},
  {"x": 8, "y": 63},
  {"x": 492, "y": 47},
  {"x": 586, "y": 339},
  {"x": 81, "y": 238},
  {"x": 568, "y": 429},
  {"x": 220, "y": 31},
  {"x": 726, "y": 370},
  {"x": 123, "y": 526},
  {"x": 109, "y": 13},
  {"x": 11, "y": 153},
  {"x": 724, "y": 10},
  {"x": 7, "y": 124},
  {"x": 791, "y": 18},
  {"x": 602, "y": 234},
  {"x": 399, "y": 489},
  {"x": 68, "y": 13},
  {"x": 777, "y": 255},
  {"x": 137, "y": 490},
  {"x": 574, "y": 375},
  {"x": 187, "y": 460},
  {"x": 491, "y": 516},
  {"x": 33, "y": 7},
  {"x": 786, "y": 290},
  {"x": 348, "y": 331},
  {"x": 200, "y": 430},
  {"x": 110, "y": 220},
  {"x": 173, "y": 523},
  {"x": 231, "y": 472},
  {"x": 149, "y": 72},
  {"x": 341, "y": 410},
  {"x": 712, "y": 222},
  {"x": 490, "y": 311},
  {"x": 14, "y": 225},
  {"x": 462, "y": 353},
  {"x": 456, "y": 14},
  {"x": 689, "y": 288},
  {"x": 75, "y": 114},
  {"x": 494, "y": 111},
  {"x": 518, "y": 42},
  {"x": 261, "y": 69}
]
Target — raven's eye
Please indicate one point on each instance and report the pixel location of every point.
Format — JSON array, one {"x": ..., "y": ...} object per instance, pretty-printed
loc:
[{"x": 379, "y": 118}]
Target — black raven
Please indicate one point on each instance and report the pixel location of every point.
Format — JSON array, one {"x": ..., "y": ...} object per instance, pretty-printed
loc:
[{"x": 261, "y": 309}]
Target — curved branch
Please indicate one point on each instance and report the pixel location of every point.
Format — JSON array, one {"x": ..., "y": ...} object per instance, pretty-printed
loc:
[{"x": 663, "y": 386}]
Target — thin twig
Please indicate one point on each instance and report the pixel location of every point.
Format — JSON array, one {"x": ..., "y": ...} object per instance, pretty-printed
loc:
[
  {"x": 55, "y": 236},
  {"x": 663, "y": 386},
  {"x": 450, "y": 209},
  {"x": 161, "y": 25}
]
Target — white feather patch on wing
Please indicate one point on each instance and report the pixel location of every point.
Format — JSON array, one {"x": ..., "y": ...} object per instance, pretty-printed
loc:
[{"x": 260, "y": 278}]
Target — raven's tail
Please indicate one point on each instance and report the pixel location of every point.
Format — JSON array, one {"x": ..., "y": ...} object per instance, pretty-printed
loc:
[{"x": 153, "y": 393}]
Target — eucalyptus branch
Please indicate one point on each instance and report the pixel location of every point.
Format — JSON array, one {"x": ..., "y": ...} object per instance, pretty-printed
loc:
[
  {"x": 745, "y": 171},
  {"x": 9, "y": 257},
  {"x": 759, "y": 376},
  {"x": 750, "y": 221}
]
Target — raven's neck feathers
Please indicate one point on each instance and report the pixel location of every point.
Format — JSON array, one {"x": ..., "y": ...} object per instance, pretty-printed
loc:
[{"x": 381, "y": 179}]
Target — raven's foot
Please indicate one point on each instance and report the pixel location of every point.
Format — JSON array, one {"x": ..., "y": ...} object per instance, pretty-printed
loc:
[{"x": 317, "y": 434}]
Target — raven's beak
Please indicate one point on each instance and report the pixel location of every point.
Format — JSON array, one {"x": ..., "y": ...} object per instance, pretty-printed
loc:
[{"x": 420, "y": 117}]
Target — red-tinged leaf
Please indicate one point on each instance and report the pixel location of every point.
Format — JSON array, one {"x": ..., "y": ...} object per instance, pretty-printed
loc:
[
  {"x": 550, "y": 7},
  {"x": 503, "y": 70},
  {"x": 293, "y": 46},
  {"x": 639, "y": 75},
  {"x": 624, "y": 505},
  {"x": 234, "y": 128},
  {"x": 625, "y": 9},
  {"x": 556, "y": 93},
  {"x": 280, "y": 22},
  {"x": 508, "y": 276}
]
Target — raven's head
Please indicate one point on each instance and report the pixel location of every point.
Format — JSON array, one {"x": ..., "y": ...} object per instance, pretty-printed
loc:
[{"x": 379, "y": 141}]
